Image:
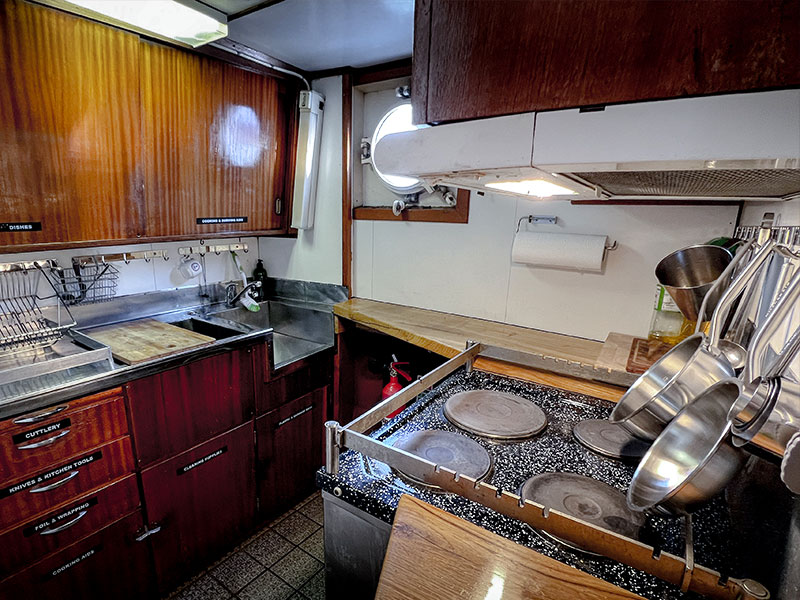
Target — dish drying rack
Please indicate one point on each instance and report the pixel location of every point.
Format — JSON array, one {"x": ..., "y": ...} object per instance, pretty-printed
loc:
[
  {"x": 85, "y": 282},
  {"x": 25, "y": 323}
]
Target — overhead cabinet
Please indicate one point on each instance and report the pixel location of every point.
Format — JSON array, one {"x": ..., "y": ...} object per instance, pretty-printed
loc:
[{"x": 482, "y": 59}]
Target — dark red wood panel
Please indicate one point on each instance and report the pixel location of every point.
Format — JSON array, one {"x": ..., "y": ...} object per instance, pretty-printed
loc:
[
  {"x": 289, "y": 445},
  {"x": 507, "y": 56},
  {"x": 204, "y": 500},
  {"x": 177, "y": 409},
  {"x": 296, "y": 380}
]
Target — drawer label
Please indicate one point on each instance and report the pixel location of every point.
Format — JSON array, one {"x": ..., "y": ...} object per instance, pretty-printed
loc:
[
  {"x": 46, "y": 477},
  {"x": 60, "y": 518},
  {"x": 40, "y": 431},
  {"x": 220, "y": 220},
  {"x": 23, "y": 226},
  {"x": 67, "y": 565},
  {"x": 202, "y": 461}
]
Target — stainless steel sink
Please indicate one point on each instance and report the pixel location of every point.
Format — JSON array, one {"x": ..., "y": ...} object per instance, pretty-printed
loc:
[
  {"x": 298, "y": 331},
  {"x": 214, "y": 330}
]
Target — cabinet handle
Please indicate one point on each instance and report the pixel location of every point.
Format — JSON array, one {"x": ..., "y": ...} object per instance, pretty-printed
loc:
[
  {"x": 294, "y": 416},
  {"x": 40, "y": 416},
  {"x": 44, "y": 442},
  {"x": 54, "y": 485},
  {"x": 66, "y": 525},
  {"x": 146, "y": 531},
  {"x": 278, "y": 206}
]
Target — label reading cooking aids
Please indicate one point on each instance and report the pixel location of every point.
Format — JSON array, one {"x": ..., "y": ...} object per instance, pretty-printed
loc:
[
  {"x": 32, "y": 434},
  {"x": 69, "y": 564},
  {"x": 60, "y": 518},
  {"x": 44, "y": 478},
  {"x": 220, "y": 220},
  {"x": 22, "y": 226},
  {"x": 201, "y": 461}
]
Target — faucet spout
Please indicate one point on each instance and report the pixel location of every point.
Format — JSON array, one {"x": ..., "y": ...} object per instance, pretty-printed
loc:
[{"x": 231, "y": 297}]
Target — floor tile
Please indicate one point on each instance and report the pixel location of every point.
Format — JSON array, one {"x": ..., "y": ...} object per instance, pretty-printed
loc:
[
  {"x": 314, "y": 589},
  {"x": 268, "y": 547},
  {"x": 315, "y": 544},
  {"x": 296, "y": 568},
  {"x": 203, "y": 588},
  {"x": 237, "y": 571},
  {"x": 266, "y": 587},
  {"x": 313, "y": 510},
  {"x": 296, "y": 527}
]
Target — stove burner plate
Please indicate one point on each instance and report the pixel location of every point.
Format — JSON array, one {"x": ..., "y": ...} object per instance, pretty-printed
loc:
[
  {"x": 609, "y": 439},
  {"x": 586, "y": 499},
  {"x": 452, "y": 450},
  {"x": 495, "y": 414}
]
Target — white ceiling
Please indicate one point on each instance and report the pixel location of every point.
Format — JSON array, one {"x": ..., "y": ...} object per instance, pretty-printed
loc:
[{"x": 325, "y": 34}]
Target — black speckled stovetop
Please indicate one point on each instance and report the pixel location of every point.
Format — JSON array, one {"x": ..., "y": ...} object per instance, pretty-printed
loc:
[{"x": 374, "y": 488}]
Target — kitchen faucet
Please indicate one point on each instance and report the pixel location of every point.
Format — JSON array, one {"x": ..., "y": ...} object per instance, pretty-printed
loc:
[{"x": 231, "y": 297}]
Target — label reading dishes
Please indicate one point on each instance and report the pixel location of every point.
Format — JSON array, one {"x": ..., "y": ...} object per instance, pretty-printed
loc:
[
  {"x": 201, "y": 461},
  {"x": 32, "y": 434},
  {"x": 220, "y": 220},
  {"x": 44, "y": 478},
  {"x": 22, "y": 226}
]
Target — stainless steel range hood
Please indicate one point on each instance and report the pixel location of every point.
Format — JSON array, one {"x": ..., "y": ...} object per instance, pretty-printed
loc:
[{"x": 732, "y": 147}]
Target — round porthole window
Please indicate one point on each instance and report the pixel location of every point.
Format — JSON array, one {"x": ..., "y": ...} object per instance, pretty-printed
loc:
[{"x": 396, "y": 120}]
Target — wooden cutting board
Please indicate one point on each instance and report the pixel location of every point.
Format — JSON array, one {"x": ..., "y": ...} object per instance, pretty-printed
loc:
[
  {"x": 146, "y": 339},
  {"x": 433, "y": 554}
]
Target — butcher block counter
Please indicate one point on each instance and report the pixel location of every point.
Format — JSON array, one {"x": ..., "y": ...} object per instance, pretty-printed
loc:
[{"x": 562, "y": 361}]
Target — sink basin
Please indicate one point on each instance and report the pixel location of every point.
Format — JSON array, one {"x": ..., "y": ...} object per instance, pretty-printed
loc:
[{"x": 214, "y": 330}]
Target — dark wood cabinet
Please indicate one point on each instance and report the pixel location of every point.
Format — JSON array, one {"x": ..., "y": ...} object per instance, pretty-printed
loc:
[
  {"x": 70, "y": 143},
  {"x": 480, "y": 59},
  {"x": 217, "y": 142},
  {"x": 177, "y": 409},
  {"x": 204, "y": 501},
  {"x": 289, "y": 447}
]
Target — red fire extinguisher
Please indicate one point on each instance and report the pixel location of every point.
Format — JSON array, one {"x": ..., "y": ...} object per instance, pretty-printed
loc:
[{"x": 394, "y": 384}]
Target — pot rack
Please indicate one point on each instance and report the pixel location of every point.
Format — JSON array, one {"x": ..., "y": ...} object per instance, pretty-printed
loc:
[{"x": 679, "y": 571}]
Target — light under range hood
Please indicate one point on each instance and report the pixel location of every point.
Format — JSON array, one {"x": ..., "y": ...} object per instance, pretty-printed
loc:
[{"x": 731, "y": 147}]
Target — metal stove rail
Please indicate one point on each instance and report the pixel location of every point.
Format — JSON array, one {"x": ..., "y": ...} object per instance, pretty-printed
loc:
[{"x": 681, "y": 572}]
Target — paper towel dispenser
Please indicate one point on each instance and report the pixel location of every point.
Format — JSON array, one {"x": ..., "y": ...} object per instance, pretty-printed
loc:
[{"x": 729, "y": 147}]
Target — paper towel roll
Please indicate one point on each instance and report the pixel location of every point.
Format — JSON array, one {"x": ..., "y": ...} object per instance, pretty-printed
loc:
[{"x": 560, "y": 250}]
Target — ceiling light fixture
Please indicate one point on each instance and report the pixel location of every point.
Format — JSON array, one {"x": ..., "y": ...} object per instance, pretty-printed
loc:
[
  {"x": 186, "y": 22},
  {"x": 532, "y": 187}
]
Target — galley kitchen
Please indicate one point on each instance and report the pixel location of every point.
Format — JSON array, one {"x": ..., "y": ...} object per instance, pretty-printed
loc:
[{"x": 399, "y": 299}]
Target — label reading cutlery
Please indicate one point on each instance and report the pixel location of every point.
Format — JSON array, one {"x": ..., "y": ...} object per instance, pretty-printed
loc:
[
  {"x": 220, "y": 220},
  {"x": 201, "y": 461},
  {"x": 45, "y": 477},
  {"x": 40, "y": 431},
  {"x": 24, "y": 226},
  {"x": 59, "y": 518},
  {"x": 88, "y": 554}
]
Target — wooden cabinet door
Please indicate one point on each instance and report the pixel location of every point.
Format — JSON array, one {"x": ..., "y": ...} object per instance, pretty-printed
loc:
[
  {"x": 180, "y": 408},
  {"x": 204, "y": 501},
  {"x": 69, "y": 129},
  {"x": 289, "y": 447},
  {"x": 215, "y": 141},
  {"x": 483, "y": 59}
]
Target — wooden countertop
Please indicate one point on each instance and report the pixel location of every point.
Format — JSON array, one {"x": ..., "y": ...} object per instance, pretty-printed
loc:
[
  {"x": 564, "y": 361},
  {"x": 433, "y": 554}
]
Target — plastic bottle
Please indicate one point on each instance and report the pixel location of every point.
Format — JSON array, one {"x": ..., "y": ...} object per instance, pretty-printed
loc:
[
  {"x": 668, "y": 324},
  {"x": 260, "y": 274}
]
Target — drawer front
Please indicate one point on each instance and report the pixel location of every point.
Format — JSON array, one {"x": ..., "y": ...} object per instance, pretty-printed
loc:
[
  {"x": 178, "y": 409},
  {"x": 307, "y": 376},
  {"x": 204, "y": 501},
  {"x": 32, "y": 443},
  {"x": 107, "y": 564},
  {"x": 39, "y": 493},
  {"x": 70, "y": 522}
]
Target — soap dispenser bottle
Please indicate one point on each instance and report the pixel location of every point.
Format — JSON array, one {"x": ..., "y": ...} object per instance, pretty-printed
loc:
[{"x": 260, "y": 274}]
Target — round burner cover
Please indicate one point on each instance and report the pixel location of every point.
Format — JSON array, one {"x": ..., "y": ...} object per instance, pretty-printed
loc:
[
  {"x": 586, "y": 499},
  {"x": 495, "y": 414},
  {"x": 452, "y": 450},
  {"x": 609, "y": 439}
]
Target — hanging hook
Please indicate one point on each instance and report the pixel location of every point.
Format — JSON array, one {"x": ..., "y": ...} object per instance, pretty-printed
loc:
[{"x": 125, "y": 258}]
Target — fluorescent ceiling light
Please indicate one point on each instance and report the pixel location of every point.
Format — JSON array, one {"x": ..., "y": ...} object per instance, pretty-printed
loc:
[
  {"x": 183, "y": 21},
  {"x": 532, "y": 187}
]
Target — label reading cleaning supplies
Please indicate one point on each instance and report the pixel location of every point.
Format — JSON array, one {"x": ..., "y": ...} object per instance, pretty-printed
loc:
[
  {"x": 23, "y": 226},
  {"x": 52, "y": 474},
  {"x": 32, "y": 434},
  {"x": 201, "y": 461},
  {"x": 68, "y": 565},
  {"x": 220, "y": 220},
  {"x": 60, "y": 518}
]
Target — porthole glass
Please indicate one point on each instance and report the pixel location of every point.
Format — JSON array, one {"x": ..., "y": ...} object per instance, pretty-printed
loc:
[{"x": 396, "y": 120}]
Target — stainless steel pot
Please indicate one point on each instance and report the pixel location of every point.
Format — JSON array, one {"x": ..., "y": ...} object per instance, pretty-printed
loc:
[
  {"x": 684, "y": 372},
  {"x": 689, "y": 274},
  {"x": 693, "y": 459}
]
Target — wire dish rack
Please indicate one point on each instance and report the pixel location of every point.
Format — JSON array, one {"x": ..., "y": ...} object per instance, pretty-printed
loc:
[
  {"x": 25, "y": 322},
  {"x": 85, "y": 283}
]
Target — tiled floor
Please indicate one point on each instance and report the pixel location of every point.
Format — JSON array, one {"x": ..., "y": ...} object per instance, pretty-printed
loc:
[{"x": 283, "y": 561}]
